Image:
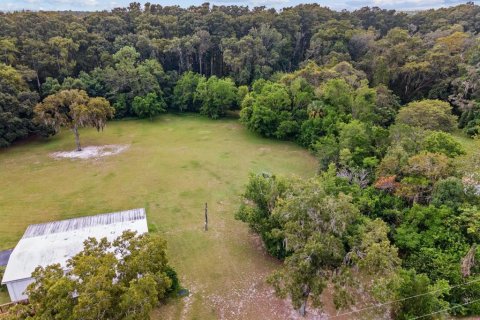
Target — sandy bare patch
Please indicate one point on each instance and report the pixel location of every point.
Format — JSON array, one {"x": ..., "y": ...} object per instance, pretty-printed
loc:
[
  {"x": 187, "y": 302},
  {"x": 264, "y": 150},
  {"x": 91, "y": 152},
  {"x": 250, "y": 297},
  {"x": 256, "y": 300}
]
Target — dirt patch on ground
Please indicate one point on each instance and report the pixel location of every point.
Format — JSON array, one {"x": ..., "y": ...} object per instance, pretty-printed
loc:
[
  {"x": 264, "y": 150},
  {"x": 188, "y": 300},
  {"x": 91, "y": 152},
  {"x": 256, "y": 300},
  {"x": 250, "y": 297}
]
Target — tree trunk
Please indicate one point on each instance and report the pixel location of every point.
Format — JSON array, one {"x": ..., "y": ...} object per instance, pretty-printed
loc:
[
  {"x": 58, "y": 64},
  {"x": 222, "y": 65},
  {"x": 200, "y": 62},
  {"x": 211, "y": 65},
  {"x": 303, "y": 307},
  {"x": 77, "y": 138},
  {"x": 182, "y": 64},
  {"x": 38, "y": 82}
]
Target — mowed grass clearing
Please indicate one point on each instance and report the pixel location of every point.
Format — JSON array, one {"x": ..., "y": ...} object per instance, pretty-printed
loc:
[
  {"x": 173, "y": 166},
  {"x": 470, "y": 162}
]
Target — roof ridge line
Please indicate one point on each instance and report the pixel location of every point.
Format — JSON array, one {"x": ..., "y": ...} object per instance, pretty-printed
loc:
[{"x": 40, "y": 229}]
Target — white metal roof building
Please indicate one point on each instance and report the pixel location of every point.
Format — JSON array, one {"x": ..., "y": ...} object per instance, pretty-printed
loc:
[{"x": 55, "y": 242}]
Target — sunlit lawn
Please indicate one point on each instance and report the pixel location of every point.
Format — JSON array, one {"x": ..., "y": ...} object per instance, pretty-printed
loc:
[
  {"x": 4, "y": 297},
  {"x": 173, "y": 166},
  {"x": 470, "y": 162}
]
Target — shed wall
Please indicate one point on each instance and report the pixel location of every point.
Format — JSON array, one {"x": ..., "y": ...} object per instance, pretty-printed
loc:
[{"x": 17, "y": 288}]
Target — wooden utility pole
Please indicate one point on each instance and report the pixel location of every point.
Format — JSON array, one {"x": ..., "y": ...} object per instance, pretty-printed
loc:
[{"x": 206, "y": 217}]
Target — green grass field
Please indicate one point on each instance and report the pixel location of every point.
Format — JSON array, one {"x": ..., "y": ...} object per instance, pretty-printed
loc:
[
  {"x": 470, "y": 162},
  {"x": 173, "y": 166}
]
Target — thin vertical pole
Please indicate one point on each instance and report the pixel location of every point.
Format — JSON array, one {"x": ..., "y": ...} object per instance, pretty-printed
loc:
[{"x": 206, "y": 217}]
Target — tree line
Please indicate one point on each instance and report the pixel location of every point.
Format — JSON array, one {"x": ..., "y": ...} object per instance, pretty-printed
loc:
[{"x": 144, "y": 51}]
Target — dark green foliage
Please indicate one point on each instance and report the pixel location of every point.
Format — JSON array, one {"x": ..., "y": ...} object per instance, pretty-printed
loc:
[
  {"x": 317, "y": 55},
  {"x": 449, "y": 192},
  {"x": 355, "y": 139},
  {"x": 413, "y": 284},
  {"x": 442, "y": 142},
  {"x": 423, "y": 55},
  {"x": 184, "y": 92},
  {"x": 148, "y": 106},
  {"x": 310, "y": 132},
  {"x": 121, "y": 105},
  {"x": 338, "y": 94},
  {"x": 287, "y": 129},
  {"x": 473, "y": 127},
  {"x": 267, "y": 110},
  {"x": 260, "y": 196},
  {"x": 327, "y": 151},
  {"x": 435, "y": 241},
  {"x": 330, "y": 42},
  {"x": 386, "y": 106},
  {"x": 50, "y": 86},
  {"x": 255, "y": 55},
  {"x": 378, "y": 204},
  {"x": 16, "y": 108},
  {"x": 216, "y": 96},
  {"x": 126, "y": 79},
  {"x": 261, "y": 120},
  {"x": 94, "y": 83},
  {"x": 175, "y": 287},
  {"x": 301, "y": 93},
  {"x": 424, "y": 226},
  {"x": 356, "y": 146},
  {"x": 470, "y": 120}
]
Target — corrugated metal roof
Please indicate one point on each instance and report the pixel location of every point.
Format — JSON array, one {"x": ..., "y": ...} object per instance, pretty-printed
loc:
[
  {"x": 56, "y": 242},
  {"x": 36, "y": 230}
]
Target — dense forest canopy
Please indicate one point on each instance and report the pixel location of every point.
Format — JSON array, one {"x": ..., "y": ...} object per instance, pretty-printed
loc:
[
  {"x": 376, "y": 94},
  {"x": 136, "y": 51}
]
